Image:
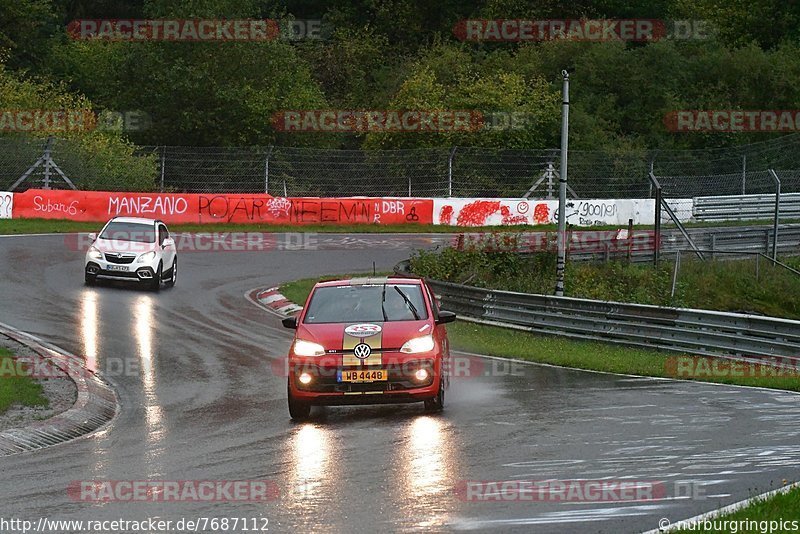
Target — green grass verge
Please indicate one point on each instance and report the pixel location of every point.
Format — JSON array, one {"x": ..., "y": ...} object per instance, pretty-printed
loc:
[
  {"x": 784, "y": 506},
  {"x": 14, "y": 389},
  {"x": 59, "y": 226},
  {"x": 590, "y": 355}
]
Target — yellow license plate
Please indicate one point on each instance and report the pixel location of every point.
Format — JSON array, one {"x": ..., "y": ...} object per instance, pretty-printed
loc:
[{"x": 364, "y": 375}]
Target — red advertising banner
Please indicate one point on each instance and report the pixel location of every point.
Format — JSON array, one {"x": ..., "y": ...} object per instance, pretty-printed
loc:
[{"x": 177, "y": 208}]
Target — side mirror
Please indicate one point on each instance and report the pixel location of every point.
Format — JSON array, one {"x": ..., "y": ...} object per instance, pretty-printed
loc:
[
  {"x": 168, "y": 242},
  {"x": 290, "y": 322},
  {"x": 446, "y": 317},
  {"x": 92, "y": 237}
]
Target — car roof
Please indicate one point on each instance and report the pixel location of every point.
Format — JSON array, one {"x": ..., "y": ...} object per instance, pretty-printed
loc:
[
  {"x": 370, "y": 280},
  {"x": 140, "y": 220}
]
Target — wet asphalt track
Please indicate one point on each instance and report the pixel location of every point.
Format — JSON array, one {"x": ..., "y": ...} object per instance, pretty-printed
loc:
[{"x": 200, "y": 401}]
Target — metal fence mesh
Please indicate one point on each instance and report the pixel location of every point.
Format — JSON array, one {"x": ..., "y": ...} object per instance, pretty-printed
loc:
[{"x": 434, "y": 172}]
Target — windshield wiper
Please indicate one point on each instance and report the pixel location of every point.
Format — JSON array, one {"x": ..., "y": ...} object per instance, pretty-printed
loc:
[
  {"x": 408, "y": 302},
  {"x": 383, "y": 302}
]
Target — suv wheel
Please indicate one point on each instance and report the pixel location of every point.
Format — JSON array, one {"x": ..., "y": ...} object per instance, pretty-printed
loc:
[
  {"x": 155, "y": 283},
  {"x": 173, "y": 273}
]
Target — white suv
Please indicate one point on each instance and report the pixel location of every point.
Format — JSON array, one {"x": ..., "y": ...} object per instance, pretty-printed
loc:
[{"x": 133, "y": 249}]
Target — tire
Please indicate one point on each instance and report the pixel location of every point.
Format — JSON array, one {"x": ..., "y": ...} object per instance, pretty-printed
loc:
[
  {"x": 89, "y": 279},
  {"x": 173, "y": 274},
  {"x": 298, "y": 410},
  {"x": 155, "y": 283},
  {"x": 436, "y": 404}
]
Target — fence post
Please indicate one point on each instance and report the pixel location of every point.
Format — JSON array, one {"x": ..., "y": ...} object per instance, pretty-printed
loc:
[
  {"x": 657, "y": 229},
  {"x": 47, "y": 157},
  {"x": 163, "y": 164},
  {"x": 266, "y": 170},
  {"x": 675, "y": 272},
  {"x": 777, "y": 214},
  {"x": 630, "y": 238},
  {"x": 744, "y": 172},
  {"x": 562, "y": 189},
  {"x": 449, "y": 172}
]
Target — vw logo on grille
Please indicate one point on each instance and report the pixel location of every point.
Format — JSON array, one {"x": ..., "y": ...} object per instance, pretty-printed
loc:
[
  {"x": 119, "y": 254},
  {"x": 362, "y": 351}
]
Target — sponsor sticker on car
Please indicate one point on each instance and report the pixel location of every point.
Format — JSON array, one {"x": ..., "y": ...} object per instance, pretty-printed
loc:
[{"x": 363, "y": 330}]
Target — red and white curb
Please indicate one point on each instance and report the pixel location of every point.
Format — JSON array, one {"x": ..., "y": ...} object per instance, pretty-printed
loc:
[
  {"x": 97, "y": 403},
  {"x": 273, "y": 300}
]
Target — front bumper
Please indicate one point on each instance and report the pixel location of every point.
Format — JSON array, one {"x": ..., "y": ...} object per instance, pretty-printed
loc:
[
  {"x": 401, "y": 385},
  {"x": 133, "y": 273}
]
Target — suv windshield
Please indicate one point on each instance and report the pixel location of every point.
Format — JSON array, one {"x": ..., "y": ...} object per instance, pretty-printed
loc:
[
  {"x": 362, "y": 303},
  {"x": 130, "y": 231}
]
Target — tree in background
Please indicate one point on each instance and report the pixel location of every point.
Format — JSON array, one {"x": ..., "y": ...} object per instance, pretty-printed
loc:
[{"x": 93, "y": 158}]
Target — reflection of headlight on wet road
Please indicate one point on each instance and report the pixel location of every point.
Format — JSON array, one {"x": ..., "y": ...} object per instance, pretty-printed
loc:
[
  {"x": 425, "y": 462},
  {"x": 88, "y": 321},
  {"x": 310, "y": 460},
  {"x": 144, "y": 322}
]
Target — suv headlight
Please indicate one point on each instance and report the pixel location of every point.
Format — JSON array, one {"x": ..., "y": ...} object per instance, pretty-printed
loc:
[
  {"x": 418, "y": 344},
  {"x": 95, "y": 254},
  {"x": 147, "y": 256},
  {"x": 307, "y": 348}
]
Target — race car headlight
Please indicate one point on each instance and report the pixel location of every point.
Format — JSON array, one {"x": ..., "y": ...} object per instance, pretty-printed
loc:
[
  {"x": 418, "y": 344},
  {"x": 147, "y": 256},
  {"x": 307, "y": 348},
  {"x": 95, "y": 254}
]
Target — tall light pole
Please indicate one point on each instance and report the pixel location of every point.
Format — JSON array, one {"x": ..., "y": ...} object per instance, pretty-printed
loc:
[{"x": 562, "y": 190}]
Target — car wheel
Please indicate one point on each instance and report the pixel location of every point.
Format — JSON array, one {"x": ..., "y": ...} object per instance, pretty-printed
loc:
[
  {"x": 89, "y": 279},
  {"x": 298, "y": 410},
  {"x": 436, "y": 404},
  {"x": 155, "y": 283},
  {"x": 174, "y": 274}
]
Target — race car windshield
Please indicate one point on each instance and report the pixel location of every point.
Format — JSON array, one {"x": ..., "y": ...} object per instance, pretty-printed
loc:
[
  {"x": 364, "y": 303},
  {"x": 127, "y": 231}
]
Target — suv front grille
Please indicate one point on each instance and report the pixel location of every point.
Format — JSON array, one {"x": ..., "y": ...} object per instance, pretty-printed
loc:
[{"x": 112, "y": 257}]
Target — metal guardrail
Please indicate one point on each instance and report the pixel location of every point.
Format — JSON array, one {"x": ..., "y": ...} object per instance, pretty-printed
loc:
[
  {"x": 745, "y": 207},
  {"x": 700, "y": 332},
  {"x": 590, "y": 245},
  {"x": 745, "y": 239}
]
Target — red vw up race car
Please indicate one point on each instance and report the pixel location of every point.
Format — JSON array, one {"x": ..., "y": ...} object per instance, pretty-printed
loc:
[{"x": 366, "y": 341}]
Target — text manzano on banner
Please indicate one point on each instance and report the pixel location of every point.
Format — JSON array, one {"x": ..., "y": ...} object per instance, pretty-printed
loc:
[{"x": 99, "y": 206}]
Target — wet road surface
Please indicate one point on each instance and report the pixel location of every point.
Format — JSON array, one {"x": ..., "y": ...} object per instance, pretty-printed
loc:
[{"x": 202, "y": 399}]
